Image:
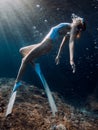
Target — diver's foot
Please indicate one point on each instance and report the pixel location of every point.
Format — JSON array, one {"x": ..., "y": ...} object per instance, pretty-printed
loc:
[{"x": 16, "y": 86}]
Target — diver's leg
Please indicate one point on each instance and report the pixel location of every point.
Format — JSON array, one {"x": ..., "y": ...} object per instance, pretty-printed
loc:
[
  {"x": 26, "y": 59},
  {"x": 35, "y": 51},
  {"x": 21, "y": 70},
  {"x": 38, "y": 50},
  {"x": 16, "y": 86},
  {"x": 25, "y": 50}
]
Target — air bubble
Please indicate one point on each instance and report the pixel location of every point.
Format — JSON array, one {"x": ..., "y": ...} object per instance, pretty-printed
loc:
[
  {"x": 58, "y": 9},
  {"x": 46, "y": 20},
  {"x": 34, "y": 27},
  {"x": 38, "y": 6}
]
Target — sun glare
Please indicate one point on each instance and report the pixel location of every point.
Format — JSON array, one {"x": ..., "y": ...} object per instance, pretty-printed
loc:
[{"x": 14, "y": 14}]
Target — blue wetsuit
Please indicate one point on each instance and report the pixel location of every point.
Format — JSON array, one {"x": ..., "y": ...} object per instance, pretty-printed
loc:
[{"x": 54, "y": 32}]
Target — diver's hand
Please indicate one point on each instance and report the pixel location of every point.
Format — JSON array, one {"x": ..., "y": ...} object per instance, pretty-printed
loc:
[
  {"x": 73, "y": 66},
  {"x": 57, "y": 60}
]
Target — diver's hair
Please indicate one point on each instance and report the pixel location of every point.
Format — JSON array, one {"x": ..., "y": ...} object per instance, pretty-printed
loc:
[
  {"x": 75, "y": 17},
  {"x": 82, "y": 26}
]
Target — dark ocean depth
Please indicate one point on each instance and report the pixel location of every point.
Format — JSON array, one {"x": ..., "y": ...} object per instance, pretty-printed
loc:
[{"x": 26, "y": 22}]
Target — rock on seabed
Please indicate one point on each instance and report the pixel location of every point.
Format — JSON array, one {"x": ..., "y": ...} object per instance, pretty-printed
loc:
[{"x": 32, "y": 112}]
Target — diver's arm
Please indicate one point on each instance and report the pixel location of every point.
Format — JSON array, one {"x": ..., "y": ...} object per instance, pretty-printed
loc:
[
  {"x": 60, "y": 49},
  {"x": 71, "y": 48}
]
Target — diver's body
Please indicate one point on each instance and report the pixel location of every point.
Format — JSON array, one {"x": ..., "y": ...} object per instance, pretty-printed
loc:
[
  {"x": 64, "y": 30},
  {"x": 48, "y": 42},
  {"x": 30, "y": 53}
]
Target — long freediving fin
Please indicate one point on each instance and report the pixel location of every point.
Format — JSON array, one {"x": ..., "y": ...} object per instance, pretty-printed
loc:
[
  {"x": 11, "y": 103},
  {"x": 12, "y": 98},
  {"x": 47, "y": 90}
]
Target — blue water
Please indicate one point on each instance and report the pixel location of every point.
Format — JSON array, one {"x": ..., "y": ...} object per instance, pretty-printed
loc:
[{"x": 27, "y": 22}]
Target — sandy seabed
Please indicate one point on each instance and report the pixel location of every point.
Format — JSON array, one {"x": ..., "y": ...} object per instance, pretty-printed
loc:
[{"x": 32, "y": 112}]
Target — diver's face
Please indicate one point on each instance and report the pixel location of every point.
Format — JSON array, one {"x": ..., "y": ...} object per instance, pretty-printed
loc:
[{"x": 77, "y": 21}]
